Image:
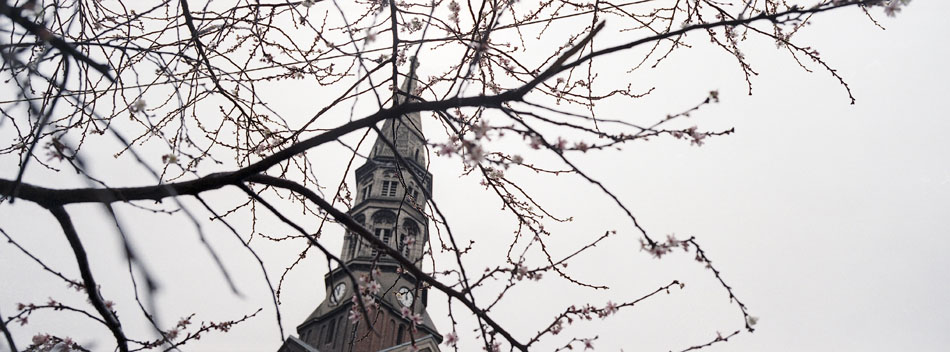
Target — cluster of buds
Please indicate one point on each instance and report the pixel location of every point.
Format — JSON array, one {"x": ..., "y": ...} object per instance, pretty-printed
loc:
[
  {"x": 179, "y": 328},
  {"x": 414, "y": 318},
  {"x": 169, "y": 159},
  {"x": 471, "y": 149},
  {"x": 413, "y": 25},
  {"x": 47, "y": 342},
  {"x": 137, "y": 106},
  {"x": 588, "y": 312},
  {"x": 891, "y": 7},
  {"x": 660, "y": 249},
  {"x": 696, "y": 137},
  {"x": 560, "y": 145},
  {"x": 454, "y": 9},
  {"x": 368, "y": 288},
  {"x": 270, "y": 142},
  {"x": 368, "y": 283},
  {"x": 495, "y": 347},
  {"x": 56, "y": 150},
  {"x": 521, "y": 272},
  {"x": 369, "y": 301}
]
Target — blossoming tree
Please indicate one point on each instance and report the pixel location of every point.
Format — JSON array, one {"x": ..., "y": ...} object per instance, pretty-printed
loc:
[{"x": 247, "y": 97}]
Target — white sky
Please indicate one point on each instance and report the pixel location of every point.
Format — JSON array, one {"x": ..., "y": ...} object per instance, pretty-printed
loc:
[{"x": 829, "y": 220}]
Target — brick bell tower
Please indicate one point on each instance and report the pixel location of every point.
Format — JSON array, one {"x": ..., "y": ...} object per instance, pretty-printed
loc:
[{"x": 389, "y": 203}]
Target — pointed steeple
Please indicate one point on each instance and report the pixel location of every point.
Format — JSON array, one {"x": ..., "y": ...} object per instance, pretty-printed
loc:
[
  {"x": 409, "y": 85},
  {"x": 409, "y": 139}
]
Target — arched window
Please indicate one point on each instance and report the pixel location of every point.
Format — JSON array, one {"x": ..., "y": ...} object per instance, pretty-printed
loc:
[
  {"x": 353, "y": 238},
  {"x": 408, "y": 237},
  {"x": 366, "y": 187},
  {"x": 392, "y": 328},
  {"x": 383, "y": 223},
  {"x": 323, "y": 331},
  {"x": 401, "y": 334},
  {"x": 330, "y": 331},
  {"x": 412, "y": 193},
  {"x": 339, "y": 322}
]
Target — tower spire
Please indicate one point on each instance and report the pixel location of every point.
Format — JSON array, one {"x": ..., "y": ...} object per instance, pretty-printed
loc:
[
  {"x": 409, "y": 85},
  {"x": 405, "y": 132},
  {"x": 389, "y": 202}
]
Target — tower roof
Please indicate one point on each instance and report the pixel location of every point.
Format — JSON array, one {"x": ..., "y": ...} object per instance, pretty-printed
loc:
[{"x": 407, "y": 129}]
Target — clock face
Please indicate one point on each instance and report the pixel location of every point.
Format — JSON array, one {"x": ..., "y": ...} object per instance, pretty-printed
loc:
[
  {"x": 404, "y": 296},
  {"x": 338, "y": 291}
]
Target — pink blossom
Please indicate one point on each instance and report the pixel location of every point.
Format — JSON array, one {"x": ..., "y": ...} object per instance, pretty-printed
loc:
[
  {"x": 557, "y": 327},
  {"x": 536, "y": 142},
  {"x": 40, "y": 339},
  {"x": 481, "y": 129},
  {"x": 588, "y": 344},
  {"x": 416, "y": 319},
  {"x": 475, "y": 153},
  {"x": 451, "y": 339},
  {"x": 892, "y": 8},
  {"x": 611, "y": 308},
  {"x": 581, "y": 146},
  {"x": 373, "y": 287}
]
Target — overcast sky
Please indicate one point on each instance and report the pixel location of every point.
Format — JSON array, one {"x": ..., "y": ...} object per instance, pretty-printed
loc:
[{"x": 829, "y": 220}]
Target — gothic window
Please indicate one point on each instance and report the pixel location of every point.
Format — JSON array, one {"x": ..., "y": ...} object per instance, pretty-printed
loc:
[
  {"x": 389, "y": 188},
  {"x": 352, "y": 238},
  {"x": 392, "y": 328},
  {"x": 408, "y": 237},
  {"x": 385, "y": 235},
  {"x": 366, "y": 190},
  {"x": 351, "y": 245},
  {"x": 330, "y": 331},
  {"x": 413, "y": 194},
  {"x": 339, "y": 322},
  {"x": 383, "y": 223},
  {"x": 401, "y": 334}
]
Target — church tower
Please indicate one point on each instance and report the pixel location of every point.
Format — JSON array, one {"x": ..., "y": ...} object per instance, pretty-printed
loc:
[{"x": 389, "y": 202}]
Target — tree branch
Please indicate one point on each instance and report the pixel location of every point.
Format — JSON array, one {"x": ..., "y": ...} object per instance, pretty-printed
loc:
[{"x": 92, "y": 289}]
